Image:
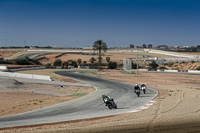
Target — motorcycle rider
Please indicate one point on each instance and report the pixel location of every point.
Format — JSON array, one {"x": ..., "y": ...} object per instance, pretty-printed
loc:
[
  {"x": 106, "y": 99},
  {"x": 137, "y": 89},
  {"x": 143, "y": 87}
]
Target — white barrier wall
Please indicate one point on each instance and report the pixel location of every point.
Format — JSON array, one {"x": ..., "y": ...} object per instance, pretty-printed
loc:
[
  {"x": 3, "y": 67},
  {"x": 21, "y": 75},
  {"x": 176, "y": 54},
  {"x": 42, "y": 77},
  {"x": 170, "y": 70},
  {"x": 142, "y": 69},
  {"x": 193, "y": 71},
  {"x": 8, "y": 74},
  {"x": 28, "y": 68},
  {"x": 139, "y": 69},
  {"x": 29, "y": 76}
]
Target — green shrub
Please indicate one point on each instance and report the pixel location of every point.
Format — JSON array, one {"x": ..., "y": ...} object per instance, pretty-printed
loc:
[
  {"x": 134, "y": 66},
  {"x": 183, "y": 62},
  {"x": 70, "y": 62},
  {"x": 35, "y": 62},
  {"x": 84, "y": 63},
  {"x": 48, "y": 64},
  {"x": 27, "y": 61},
  {"x": 112, "y": 65},
  {"x": 57, "y": 62},
  {"x": 198, "y": 68},
  {"x": 79, "y": 61},
  {"x": 22, "y": 62},
  {"x": 170, "y": 64},
  {"x": 92, "y": 60},
  {"x": 153, "y": 65}
]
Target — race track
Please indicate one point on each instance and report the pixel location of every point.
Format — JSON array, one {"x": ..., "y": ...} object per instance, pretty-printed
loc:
[{"x": 88, "y": 106}]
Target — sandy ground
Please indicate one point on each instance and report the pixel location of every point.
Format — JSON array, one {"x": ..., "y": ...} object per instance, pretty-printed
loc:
[
  {"x": 6, "y": 53},
  {"x": 177, "y": 108},
  {"x": 118, "y": 57}
]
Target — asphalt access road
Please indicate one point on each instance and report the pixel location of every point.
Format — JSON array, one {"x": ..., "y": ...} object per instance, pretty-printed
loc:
[{"x": 88, "y": 106}]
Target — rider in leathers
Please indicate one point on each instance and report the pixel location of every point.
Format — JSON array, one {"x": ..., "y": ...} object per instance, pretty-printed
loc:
[
  {"x": 143, "y": 88},
  {"x": 137, "y": 89},
  {"x": 106, "y": 99}
]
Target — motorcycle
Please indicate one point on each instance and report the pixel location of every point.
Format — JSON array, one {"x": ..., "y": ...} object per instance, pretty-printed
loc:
[
  {"x": 137, "y": 92},
  {"x": 110, "y": 104},
  {"x": 143, "y": 89}
]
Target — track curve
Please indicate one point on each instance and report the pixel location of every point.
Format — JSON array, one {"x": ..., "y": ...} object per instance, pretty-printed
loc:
[{"x": 88, "y": 106}]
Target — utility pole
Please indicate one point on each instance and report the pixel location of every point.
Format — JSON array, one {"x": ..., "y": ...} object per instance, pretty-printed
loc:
[
  {"x": 24, "y": 43},
  {"x": 137, "y": 63},
  {"x": 6, "y": 40},
  {"x": 77, "y": 43}
]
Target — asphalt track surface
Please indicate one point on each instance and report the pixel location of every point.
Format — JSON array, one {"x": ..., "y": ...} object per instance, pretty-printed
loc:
[{"x": 88, "y": 106}]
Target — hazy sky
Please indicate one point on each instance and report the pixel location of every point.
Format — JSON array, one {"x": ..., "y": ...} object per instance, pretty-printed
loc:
[{"x": 78, "y": 23}]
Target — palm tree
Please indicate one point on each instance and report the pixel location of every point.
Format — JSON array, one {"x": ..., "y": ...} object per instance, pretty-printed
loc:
[{"x": 98, "y": 46}]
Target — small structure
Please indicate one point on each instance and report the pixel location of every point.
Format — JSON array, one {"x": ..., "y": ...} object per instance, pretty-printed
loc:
[{"x": 127, "y": 64}]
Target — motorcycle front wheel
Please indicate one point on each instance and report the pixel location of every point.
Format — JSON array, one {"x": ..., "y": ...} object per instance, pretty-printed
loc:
[
  {"x": 138, "y": 94},
  {"x": 110, "y": 106}
]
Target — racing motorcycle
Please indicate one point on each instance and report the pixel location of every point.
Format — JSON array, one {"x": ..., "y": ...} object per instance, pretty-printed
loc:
[
  {"x": 137, "y": 92},
  {"x": 143, "y": 89},
  {"x": 110, "y": 103}
]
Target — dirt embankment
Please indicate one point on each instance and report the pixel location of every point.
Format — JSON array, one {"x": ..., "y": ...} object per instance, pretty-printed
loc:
[{"x": 177, "y": 108}]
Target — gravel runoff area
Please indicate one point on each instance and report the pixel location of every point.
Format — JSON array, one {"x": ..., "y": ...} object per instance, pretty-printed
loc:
[{"x": 177, "y": 108}]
